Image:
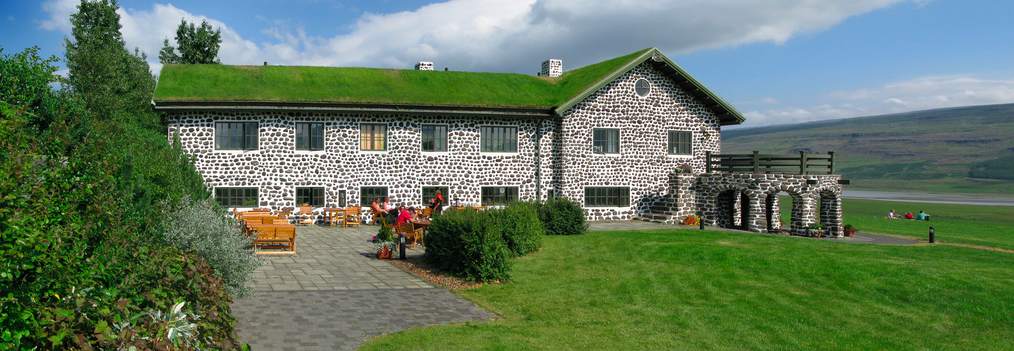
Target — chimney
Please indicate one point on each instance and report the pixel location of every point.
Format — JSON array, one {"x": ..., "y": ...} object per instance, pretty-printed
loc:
[
  {"x": 424, "y": 66},
  {"x": 552, "y": 68}
]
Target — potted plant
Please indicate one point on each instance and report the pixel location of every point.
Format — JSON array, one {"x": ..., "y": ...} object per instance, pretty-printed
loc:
[
  {"x": 850, "y": 230},
  {"x": 383, "y": 242}
]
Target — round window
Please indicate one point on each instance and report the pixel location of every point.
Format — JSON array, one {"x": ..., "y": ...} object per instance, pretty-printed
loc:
[{"x": 642, "y": 87}]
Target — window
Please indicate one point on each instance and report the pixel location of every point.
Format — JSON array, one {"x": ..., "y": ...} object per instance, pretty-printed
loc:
[
  {"x": 642, "y": 87},
  {"x": 499, "y": 195},
  {"x": 434, "y": 138},
  {"x": 372, "y": 137},
  {"x": 236, "y": 197},
  {"x": 429, "y": 192},
  {"x": 607, "y": 197},
  {"x": 368, "y": 193},
  {"x": 680, "y": 142},
  {"x": 310, "y": 195},
  {"x": 309, "y": 136},
  {"x": 606, "y": 141},
  {"x": 236, "y": 136},
  {"x": 498, "y": 139}
]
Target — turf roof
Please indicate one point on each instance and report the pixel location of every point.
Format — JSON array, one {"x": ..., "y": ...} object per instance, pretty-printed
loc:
[{"x": 377, "y": 86}]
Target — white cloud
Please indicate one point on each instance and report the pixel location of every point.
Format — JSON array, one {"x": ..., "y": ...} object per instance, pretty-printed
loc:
[
  {"x": 903, "y": 96},
  {"x": 59, "y": 12},
  {"x": 503, "y": 35}
]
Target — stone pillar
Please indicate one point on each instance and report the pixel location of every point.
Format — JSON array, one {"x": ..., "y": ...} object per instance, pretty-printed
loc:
[
  {"x": 737, "y": 209},
  {"x": 758, "y": 213},
  {"x": 774, "y": 208},
  {"x": 803, "y": 212},
  {"x": 830, "y": 214}
]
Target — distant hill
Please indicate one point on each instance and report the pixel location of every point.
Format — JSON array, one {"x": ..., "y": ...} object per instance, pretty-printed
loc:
[{"x": 962, "y": 149}]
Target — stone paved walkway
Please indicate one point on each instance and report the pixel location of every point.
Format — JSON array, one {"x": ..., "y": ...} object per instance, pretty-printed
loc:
[{"x": 332, "y": 295}]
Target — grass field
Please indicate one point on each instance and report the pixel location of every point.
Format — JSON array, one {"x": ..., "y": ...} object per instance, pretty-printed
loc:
[
  {"x": 966, "y": 224},
  {"x": 674, "y": 289}
]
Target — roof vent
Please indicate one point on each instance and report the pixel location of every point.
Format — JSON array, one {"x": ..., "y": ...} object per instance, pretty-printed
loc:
[
  {"x": 552, "y": 68},
  {"x": 424, "y": 66}
]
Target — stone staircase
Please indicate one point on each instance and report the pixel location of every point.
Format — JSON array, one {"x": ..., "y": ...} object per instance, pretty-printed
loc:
[{"x": 661, "y": 211}]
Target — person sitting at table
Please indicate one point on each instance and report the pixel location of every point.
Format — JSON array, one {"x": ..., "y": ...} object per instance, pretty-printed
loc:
[
  {"x": 892, "y": 214},
  {"x": 922, "y": 216},
  {"x": 378, "y": 212},
  {"x": 908, "y": 215},
  {"x": 404, "y": 216},
  {"x": 437, "y": 202}
]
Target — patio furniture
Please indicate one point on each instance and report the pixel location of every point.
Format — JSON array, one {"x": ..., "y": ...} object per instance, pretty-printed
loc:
[
  {"x": 352, "y": 216},
  {"x": 410, "y": 232},
  {"x": 275, "y": 236},
  {"x": 306, "y": 215},
  {"x": 335, "y": 215},
  {"x": 427, "y": 212}
]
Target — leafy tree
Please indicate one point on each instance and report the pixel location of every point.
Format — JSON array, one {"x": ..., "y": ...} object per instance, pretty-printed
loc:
[
  {"x": 196, "y": 45},
  {"x": 112, "y": 82}
]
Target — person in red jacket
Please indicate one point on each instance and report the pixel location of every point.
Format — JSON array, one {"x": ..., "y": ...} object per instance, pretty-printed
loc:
[
  {"x": 437, "y": 202},
  {"x": 404, "y": 216},
  {"x": 909, "y": 215}
]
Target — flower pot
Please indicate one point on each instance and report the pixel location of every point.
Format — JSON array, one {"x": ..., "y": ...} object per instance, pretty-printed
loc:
[{"x": 384, "y": 253}]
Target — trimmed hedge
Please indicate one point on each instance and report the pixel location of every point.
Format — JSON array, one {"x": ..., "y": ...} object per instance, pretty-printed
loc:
[
  {"x": 520, "y": 227},
  {"x": 468, "y": 244},
  {"x": 562, "y": 216}
]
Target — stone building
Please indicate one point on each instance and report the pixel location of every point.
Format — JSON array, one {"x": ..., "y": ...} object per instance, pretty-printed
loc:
[{"x": 631, "y": 137}]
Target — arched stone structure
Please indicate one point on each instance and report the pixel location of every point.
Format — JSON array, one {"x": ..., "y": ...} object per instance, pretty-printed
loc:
[{"x": 750, "y": 200}]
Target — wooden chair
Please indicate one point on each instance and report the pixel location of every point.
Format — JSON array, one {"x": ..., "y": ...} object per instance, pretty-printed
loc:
[
  {"x": 408, "y": 230},
  {"x": 306, "y": 215},
  {"x": 353, "y": 216},
  {"x": 427, "y": 212},
  {"x": 336, "y": 216}
]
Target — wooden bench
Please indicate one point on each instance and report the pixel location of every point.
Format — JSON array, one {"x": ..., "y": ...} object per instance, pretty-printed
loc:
[{"x": 275, "y": 236}]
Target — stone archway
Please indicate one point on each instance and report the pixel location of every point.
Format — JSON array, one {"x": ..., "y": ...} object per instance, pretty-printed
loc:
[{"x": 773, "y": 210}]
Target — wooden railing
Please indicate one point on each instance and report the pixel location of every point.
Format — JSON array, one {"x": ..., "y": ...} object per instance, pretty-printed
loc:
[{"x": 759, "y": 163}]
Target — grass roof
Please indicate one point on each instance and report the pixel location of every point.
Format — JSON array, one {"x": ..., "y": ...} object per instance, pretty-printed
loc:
[{"x": 355, "y": 85}]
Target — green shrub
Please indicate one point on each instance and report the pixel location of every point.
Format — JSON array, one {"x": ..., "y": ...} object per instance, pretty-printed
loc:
[
  {"x": 203, "y": 228},
  {"x": 520, "y": 226},
  {"x": 562, "y": 216},
  {"x": 468, "y": 244},
  {"x": 82, "y": 204}
]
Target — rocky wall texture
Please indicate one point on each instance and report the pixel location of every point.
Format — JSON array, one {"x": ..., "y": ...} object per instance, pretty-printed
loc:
[
  {"x": 643, "y": 163},
  {"x": 276, "y": 168}
]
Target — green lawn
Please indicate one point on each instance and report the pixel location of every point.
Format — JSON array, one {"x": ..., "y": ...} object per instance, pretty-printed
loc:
[
  {"x": 978, "y": 225},
  {"x": 683, "y": 289}
]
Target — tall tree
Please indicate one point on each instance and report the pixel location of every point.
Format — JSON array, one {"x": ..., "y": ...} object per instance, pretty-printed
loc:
[
  {"x": 195, "y": 44},
  {"x": 113, "y": 82}
]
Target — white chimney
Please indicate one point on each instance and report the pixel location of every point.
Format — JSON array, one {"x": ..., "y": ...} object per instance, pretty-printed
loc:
[
  {"x": 424, "y": 66},
  {"x": 552, "y": 68}
]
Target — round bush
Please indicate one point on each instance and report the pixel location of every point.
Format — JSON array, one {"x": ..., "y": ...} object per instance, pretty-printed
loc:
[
  {"x": 562, "y": 216},
  {"x": 520, "y": 226},
  {"x": 468, "y": 244}
]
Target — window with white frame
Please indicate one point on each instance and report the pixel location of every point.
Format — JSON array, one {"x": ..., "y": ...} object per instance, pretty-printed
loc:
[
  {"x": 606, "y": 141},
  {"x": 498, "y": 139},
  {"x": 603, "y": 196},
  {"x": 373, "y": 137},
  {"x": 681, "y": 142},
  {"x": 235, "y": 135},
  {"x": 309, "y": 136}
]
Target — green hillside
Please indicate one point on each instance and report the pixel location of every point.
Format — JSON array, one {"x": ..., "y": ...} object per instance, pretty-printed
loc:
[{"x": 964, "y": 149}]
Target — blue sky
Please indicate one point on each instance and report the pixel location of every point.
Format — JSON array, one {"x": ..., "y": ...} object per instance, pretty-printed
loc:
[{"x": 777, "y": 62}]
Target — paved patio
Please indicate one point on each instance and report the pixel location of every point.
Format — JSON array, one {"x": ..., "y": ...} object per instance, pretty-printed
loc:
[{"x": 332, "y": 295}]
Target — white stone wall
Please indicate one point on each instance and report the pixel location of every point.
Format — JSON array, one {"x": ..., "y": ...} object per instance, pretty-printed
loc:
[
  {"x": 644, "y": 122},
  {"x": 277, "y": 169}
]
